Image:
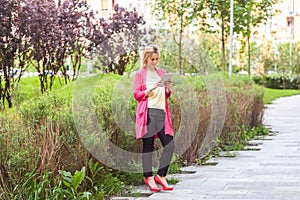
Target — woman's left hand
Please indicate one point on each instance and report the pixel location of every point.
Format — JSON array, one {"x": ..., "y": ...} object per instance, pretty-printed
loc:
[{"x": 168, "y": 84}]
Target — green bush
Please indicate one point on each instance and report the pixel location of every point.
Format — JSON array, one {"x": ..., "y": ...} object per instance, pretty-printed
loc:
[
  {"x": 258, "y": 79},
  {"x": 41, "y": 139},
  {"x": 277, "y": 81}
]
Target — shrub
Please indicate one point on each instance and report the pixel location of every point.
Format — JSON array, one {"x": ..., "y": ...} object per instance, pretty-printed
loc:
[
  {"x": 41, "y": 138},
  {"x": 258, "y": 79},
  {"x": 277, "y": 81}
]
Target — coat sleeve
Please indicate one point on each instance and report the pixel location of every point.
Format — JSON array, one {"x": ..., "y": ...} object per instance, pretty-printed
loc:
[
  {"x": 139, "y": 92},
  {"x": 168, "y": 94}
]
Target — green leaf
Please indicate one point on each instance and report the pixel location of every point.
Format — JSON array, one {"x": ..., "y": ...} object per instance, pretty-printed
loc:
[
  {"x": 85, "y": 195},
  {"x": 78, "y": 178},
  {"x": 67, "y": 178},
  {"x": 66, "y": 183}
]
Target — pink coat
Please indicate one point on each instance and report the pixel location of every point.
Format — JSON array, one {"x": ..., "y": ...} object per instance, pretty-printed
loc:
[{"x": 142, "y": 107}]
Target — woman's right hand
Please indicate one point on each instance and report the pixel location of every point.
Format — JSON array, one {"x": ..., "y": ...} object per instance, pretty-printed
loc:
[{"x": 156, "y": 85}]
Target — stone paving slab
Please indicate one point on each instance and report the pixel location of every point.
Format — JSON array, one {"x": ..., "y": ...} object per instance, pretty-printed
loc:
[{"x": 271, "y": 172}]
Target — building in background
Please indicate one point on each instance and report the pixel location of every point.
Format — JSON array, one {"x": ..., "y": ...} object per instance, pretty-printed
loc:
[
  {"x": 143, "y": 7},
  {"x": 285, "y": 25},
  {"x": 103, "y": 7}
]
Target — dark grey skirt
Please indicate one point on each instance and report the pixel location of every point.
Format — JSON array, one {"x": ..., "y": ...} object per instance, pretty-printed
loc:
[{"x": 155, "y": 121}]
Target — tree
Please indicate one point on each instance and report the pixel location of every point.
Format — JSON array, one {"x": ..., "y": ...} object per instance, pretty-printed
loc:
[
  {"x": 54, "y": 31},
  {"x": 296, "y": 58},
  {"x": 268, "y": 54},
  {"x": 219, "y": 10},
  {"x": 249, "y": 15},
  {"x": 255, "y": 53},
  {"x": 11, "y": 49},
  {"x": 285, "y": 60},
  {"x": 73, "y": 21},
  {"x": 199, "y": 54},
  {"x": 84, "y": 31},
  {"x": 296, "y": 61},
  {"x": 179, "y": 14},
  {"x": 128, "y": 36}
]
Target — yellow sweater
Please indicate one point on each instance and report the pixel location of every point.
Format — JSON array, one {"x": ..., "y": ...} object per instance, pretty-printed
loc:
[{"x": 156, "y": 98}]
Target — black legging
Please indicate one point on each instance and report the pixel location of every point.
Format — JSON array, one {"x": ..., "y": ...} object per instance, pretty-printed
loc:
[{"x": 155, "y": 124}]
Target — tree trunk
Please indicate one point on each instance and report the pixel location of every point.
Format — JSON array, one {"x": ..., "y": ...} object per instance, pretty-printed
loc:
[
  {"x": 283, "y": 82},
  {"x": 223, "y": 50},
  {"x": 180, "y": 45},
  {"x": 7, "y": 91},
  {"x": 249, "y": 55}
]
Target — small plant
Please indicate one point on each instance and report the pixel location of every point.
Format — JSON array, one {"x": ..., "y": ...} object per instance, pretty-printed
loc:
[
  {"x": 210, "y": 163},
  {"x": 204, "y": 159},
  {"x": 33, "y": 186},
  {"x": 227, "y": 154},
  {"x": 261, "y": 130},
  {"x": 174, "y": 167},
  {"x": 239, "y": 139},
  {"x": 72, "y": 184},
  {"x": 173, "y": 181},
  {"x": 217, "y": 148}
]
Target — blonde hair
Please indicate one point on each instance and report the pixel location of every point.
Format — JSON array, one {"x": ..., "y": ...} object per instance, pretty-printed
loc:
[{"x": 148, "y": 53}]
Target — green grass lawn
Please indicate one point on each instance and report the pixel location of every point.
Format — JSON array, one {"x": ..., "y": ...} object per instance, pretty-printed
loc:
[
  {"x": 29, "y": 87},
  {"x": 272, "y": 94}
]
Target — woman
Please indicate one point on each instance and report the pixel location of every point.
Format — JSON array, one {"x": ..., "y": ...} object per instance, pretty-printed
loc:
[{"x": 153, "y": 118}]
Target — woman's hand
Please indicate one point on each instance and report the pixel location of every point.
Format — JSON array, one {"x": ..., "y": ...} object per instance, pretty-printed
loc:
[
  {"x": 156, "y": 85},
  {"x": 168, "y": 84}
]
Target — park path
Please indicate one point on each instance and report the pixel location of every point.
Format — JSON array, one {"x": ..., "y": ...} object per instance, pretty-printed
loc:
[{"x": 270, "y": 171}]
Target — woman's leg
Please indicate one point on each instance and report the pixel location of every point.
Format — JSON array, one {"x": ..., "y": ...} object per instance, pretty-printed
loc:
[
  {"x": 148, "y": 147},
  {"x": 148, "y": 142},
  {"x": 155, "y": 124},
  {"x": 166, "y": 156}
]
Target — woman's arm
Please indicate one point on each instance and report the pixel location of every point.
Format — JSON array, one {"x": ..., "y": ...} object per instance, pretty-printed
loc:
[{"x": 139, "y": 93}]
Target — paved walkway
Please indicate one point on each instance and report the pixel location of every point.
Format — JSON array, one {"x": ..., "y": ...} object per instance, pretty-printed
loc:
[{"x": 273, "y": 172}]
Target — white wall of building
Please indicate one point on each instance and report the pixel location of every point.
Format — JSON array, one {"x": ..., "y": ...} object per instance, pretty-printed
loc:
[{"x": 143, "y": 7}]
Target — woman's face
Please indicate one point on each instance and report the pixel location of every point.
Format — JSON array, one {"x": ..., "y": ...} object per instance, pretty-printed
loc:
[{"x": 153, "y": 61}]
